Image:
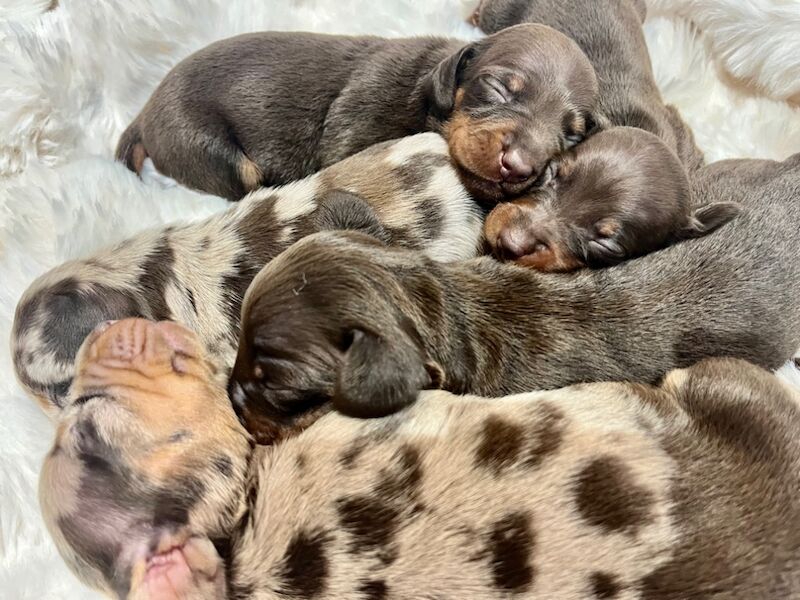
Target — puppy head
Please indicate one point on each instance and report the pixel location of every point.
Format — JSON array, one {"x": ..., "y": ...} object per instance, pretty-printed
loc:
[
  {"x": 148, "y": 464},
  {"x": 327, "y": 325},
  {"x": 622, "y": 193},
  {"x": 510, "y": 102}
]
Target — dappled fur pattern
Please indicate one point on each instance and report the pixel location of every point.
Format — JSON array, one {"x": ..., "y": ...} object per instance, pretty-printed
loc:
[
  {"x": 405, "y": 192},
  {"x": 598, "y": 491}
]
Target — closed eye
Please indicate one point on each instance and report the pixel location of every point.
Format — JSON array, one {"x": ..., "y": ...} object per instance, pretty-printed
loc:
[
  {"x": 83, "y": 399},
  {"x": 497, "y": 89}
]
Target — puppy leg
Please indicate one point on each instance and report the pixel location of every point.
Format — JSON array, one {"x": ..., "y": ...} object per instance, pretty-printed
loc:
[{"x": 180, "y": 569}]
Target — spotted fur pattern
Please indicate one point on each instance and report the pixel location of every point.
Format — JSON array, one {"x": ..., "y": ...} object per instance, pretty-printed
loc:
[
  {"x": 406, "y": 192},
  {"x": 597, "y": 491}
]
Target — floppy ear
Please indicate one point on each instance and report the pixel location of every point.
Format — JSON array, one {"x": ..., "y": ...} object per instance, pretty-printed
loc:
[
  {"x": 339, "y": 209},
  {"x": 439, "y": 86},
  {"x": 379, "y": 377},
  {"x": 708, "y": 218}
]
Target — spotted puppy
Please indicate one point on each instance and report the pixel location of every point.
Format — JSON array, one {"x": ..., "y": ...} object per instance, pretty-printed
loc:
[
  {"x": 272, "y": 107},
  {"x": 618, "y": 195},
  {"x": 405, "y": 192},
  {"x": 610, "y": 34},
  {"x": 343, "y": 319},
  {"x": 152, "y": 489}
]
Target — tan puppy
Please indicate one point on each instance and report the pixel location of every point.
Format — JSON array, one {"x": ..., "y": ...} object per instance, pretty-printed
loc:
[
  {"x": 620, "y": 194},
  {"x": 595, "y": 491}
]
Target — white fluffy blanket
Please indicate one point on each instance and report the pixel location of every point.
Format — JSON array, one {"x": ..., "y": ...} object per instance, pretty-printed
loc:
[{"x": 74, "y": 72}]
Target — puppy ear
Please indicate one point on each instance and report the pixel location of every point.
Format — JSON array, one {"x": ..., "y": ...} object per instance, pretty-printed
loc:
[
  {"x": 439, "y": 86},
  {"x": 708, "y": 218},
  {"x": 339, "y": 210},
  {"x": 379, "y": 377}
]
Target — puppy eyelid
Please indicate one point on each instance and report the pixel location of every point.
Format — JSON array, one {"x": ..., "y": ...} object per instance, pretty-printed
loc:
[
  {"x": 498, "y": 87},
  {"x": 83, "y": 399}
]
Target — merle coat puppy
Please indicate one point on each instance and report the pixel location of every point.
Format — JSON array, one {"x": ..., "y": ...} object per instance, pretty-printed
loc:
[
  {"x": 270, "y": 108},
  {"x": 154, "y": 491},
  {"x": 343, "y": 319},
  {"x": 610, "y": 34}
]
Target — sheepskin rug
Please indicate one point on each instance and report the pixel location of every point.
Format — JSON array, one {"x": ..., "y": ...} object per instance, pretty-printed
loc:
[{"x": 73, "y": 73}]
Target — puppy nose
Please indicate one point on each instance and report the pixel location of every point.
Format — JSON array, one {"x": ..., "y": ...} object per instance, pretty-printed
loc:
[
  {"x": 514, "y": 167},
  {"x": 513, "y": 242}
]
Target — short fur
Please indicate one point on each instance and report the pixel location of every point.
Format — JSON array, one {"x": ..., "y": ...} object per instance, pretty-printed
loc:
[
  {"x": 618, "y": 195},
  {"x": 610, "y": 34},
  {"x": 270, "y": 108},
  {"x": 494, "y": 329},
  {"x": 608, "y": 490},
  {"x": 405, "y": 192}
]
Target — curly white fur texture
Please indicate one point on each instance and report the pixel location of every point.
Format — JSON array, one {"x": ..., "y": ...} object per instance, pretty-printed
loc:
[{"x": 74, "y": 72}]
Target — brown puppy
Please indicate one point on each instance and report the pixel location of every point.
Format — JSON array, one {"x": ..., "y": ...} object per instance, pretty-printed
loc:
[
  {"x": 152, "y": 490},
  {"x": 347, "y": 320},
  {"x": 610, "y": 34},
  {"x": 221, "y": 120},
  {"x": 618, "y": 195}
]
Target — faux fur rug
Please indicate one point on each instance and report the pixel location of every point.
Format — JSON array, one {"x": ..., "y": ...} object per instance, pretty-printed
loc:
[{"x": 74, "y": 72}]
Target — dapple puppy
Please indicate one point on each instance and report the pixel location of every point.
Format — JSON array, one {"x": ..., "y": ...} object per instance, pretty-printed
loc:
[
  {"x": 342, "y": 318},
  {"x": 153, "y": 491},
  {"x": 618, "y": 195},
  {"x": 405, "y": 192},
  {"x": 269, "y": 108},
  {"x": 610, "y": 34}
]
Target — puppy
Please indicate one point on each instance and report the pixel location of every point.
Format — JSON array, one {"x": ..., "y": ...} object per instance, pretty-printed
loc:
[
  {"x": 153, "y": 491},
  {"x": 405, "y": 192},
  {"x": 620, "y": 194},
  {"x": 270, "y": 108},
  {"x": 339, "y": 318},
  {"x": 610, "y": 34}
]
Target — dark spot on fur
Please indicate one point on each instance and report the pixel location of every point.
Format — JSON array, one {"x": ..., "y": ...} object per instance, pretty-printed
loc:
[
  {"x": 369, "y": 520},
  {"x": 173, "y": 504},
  {"x": 157, "y": 273},
  {"x": 416, "y": 172},
  {"x": 545, "y": 435},
  {"x": 510, "y": 546},
  {"x": 406, "y": 479},
  {"x": 300, "y": 462},
  {"x": 223, "y": 465},
  {"x": 500, "y": 445},
  {"x": 205, "y": 244},
  {"x": 179, "y": 436},
  {"x": 340, "y": 210},
  {"x": 604, "y": 586},
  {"x": 190, "y": 296},
  {"x": 797, "y": 362},
  {"x": 608, "y": 497},
  {"x": 431, "y": 218},
  {"x": 349, "y": 456},
  {"x": 374, "y": 590},
  {"x": 304, "y": 569}
]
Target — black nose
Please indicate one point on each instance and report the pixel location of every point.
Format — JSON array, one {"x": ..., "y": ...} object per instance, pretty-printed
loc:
[{"x": 514, "y": 166}]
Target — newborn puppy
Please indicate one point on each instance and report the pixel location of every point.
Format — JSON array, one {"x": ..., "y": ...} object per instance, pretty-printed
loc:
[
  {"x": 620, "y": 194},
  {"x": 152, "y": 490},
  {"x": 339, "y": 318},
  {"x": 405, "y": 192},
  {"x": 610, "y": 34},
  {"x": 270, "y": 108}
]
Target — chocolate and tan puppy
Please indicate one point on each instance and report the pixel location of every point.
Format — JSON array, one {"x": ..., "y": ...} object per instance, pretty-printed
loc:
[
  {"x": 153, "y": 490},
  {"x": 618, "y": 195},
  {"x": 610, "y": 34},
  {"x": 344, "y": 319},
  {"x": 270, "y": 108}
]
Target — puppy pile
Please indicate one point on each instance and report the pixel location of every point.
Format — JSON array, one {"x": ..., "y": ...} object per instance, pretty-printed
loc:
[{"x": 348, "y": 280}]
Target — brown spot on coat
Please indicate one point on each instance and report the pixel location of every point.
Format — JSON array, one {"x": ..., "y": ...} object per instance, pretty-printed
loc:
[
  {"x": 500, "y": 446},
  {"x": 510, "y": 545},
  {"x": 608, "y": 497},
  {"x": 547, "y": 433},
  {"x": 604, "y": 586},
  {"x": 304, "y": 570},
  {"x": 374, "y": 590}
]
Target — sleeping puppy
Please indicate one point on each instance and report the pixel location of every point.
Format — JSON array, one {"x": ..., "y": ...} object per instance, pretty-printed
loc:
[
  {"x": 340, "y": 318},
  {"x": 153, "y": 491},
  {"x": 610, "y": 34},
  {"x": 270, "y": 108},
  {"x": 618, "y": 195},
  {"x": 404, "y": 192}
]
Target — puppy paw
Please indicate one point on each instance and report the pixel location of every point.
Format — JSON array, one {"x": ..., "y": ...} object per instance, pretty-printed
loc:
[{"x": 189, "y": 570}]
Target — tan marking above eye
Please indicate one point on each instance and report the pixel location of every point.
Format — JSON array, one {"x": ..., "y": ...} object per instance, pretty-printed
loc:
[
  {"x": 258, "y": 372},
  {"x": 459, "y": 98},
  {"x": 515, "y": 83}
]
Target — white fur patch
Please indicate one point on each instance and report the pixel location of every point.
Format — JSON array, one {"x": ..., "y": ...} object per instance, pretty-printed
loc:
[{"x": 427, "y": 143}]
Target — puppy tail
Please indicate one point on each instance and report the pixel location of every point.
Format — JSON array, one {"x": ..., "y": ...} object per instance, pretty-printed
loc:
[
  {"x": 130, "y": 149},
  {"x": 708, "y": 218}
]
